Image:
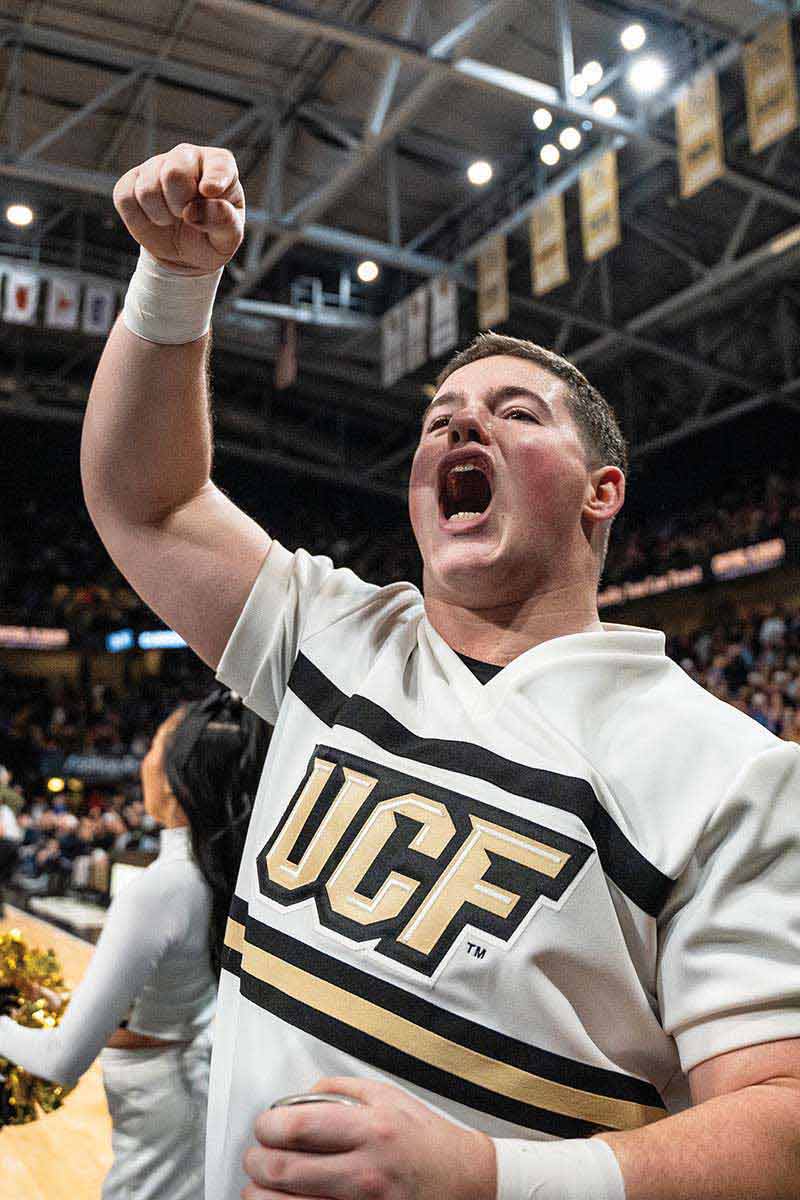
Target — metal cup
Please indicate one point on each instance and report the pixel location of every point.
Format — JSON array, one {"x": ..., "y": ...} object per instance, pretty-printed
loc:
[{"x": 316, "y": 1098}]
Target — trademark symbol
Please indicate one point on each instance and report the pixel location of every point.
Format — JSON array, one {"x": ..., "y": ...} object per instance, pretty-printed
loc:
[{"x": 475, "y": 950}]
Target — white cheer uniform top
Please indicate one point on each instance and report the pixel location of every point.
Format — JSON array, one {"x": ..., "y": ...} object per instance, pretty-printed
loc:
[
  {"x": 152, "y": 955},
  {"x": 534, "y": 903}
]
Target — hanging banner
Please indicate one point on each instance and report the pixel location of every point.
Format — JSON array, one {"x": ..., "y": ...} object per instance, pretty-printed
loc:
[
  {"x": 771, "y": 84},
  {"x": 548, "y": 234},
  {"x": 63, "y": 302},
  {"x": 286, "y": 362},
  {"x": 417, "y": 328},
  {"x": 393, "y": 345},
  {"x": 444, "y": 315},
  {"x": 98, "y": 309},
  {"x": 22, "y": 297},
  {"x": 701, "y": 146},
  {"x": 493, "y": 284},
  {"x": 599, "y": 192}
]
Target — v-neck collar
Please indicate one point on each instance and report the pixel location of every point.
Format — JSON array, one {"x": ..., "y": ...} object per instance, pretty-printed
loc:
[{"x": 611, "y": 639}]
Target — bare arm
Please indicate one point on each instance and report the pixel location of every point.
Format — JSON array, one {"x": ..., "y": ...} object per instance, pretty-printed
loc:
[{"x": 146, "y": 452}]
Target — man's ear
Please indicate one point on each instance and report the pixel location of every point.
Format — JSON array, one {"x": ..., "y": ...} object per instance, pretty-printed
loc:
[{"x": 605, "y": 494}]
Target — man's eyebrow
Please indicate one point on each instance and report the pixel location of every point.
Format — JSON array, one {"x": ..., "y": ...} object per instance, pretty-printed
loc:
[{"x": 508, "y": 391}]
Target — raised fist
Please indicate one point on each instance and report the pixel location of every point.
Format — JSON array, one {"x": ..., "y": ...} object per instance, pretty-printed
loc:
[{"x": 186, "y": 207}]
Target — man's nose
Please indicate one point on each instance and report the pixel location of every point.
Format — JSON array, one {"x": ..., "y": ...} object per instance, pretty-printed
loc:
[{"x": 466, "y": 426}]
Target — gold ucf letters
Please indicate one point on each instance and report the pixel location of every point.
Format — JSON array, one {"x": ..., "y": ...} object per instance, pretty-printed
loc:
[{"x": 383, "y": 860}]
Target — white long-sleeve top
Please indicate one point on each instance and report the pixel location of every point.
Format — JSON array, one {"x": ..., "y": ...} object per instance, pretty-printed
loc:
[{"x": 151, "y": 962}]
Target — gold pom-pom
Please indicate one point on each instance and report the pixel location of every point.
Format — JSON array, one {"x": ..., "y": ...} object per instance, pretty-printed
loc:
[{"x": 33, "y": 992}]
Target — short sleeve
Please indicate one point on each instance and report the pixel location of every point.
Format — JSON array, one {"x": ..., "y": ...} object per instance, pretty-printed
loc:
[
  {"x": 294, "y": 596},
  {"x": 729, "y": 939}
]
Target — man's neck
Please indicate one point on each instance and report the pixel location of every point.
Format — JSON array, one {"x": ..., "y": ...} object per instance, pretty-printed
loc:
[{"x": 500, "y": 634}]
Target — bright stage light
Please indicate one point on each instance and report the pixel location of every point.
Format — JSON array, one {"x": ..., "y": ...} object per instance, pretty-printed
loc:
[
  {"x": 648, "y": 75},
  {"x": 368, "y": 271},
  {"x": 19, "y": 214},
  {"x": 56, "y": 784},
  {"x": 578, "y": 85},
  {"x": 570, "y": 138},
  {"x": 550, "y": 154},
  {"x": 633, "y": 37},
  {"x": 543, "y": 118},
  {"x": 479, "y": 173},
  {"x": 592, "y": 72},
  {"x": 605, "y": 106}
]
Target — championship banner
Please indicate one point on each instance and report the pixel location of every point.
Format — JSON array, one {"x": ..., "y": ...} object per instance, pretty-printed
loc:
[
  {"x": 98, "y": 309},
  {"x": 393, "y": 345},
  {"x": 444, "y": 315},
  {"x": 63, "y": 303},
  {"x": 22, "y": 297},
  {"x": 493, "y": 305},
  {"x": 701, "y": 146},
  {"x": 548, "y": 235},
  {"x": 771, "y": 84},
  {"x": 286, "y": 362},
  {"x": 416, "y": 306},
  {"x": 599, "y": 193}
]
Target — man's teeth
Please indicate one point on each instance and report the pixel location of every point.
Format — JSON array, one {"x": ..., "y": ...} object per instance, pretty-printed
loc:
[
  {"x": 463, "y": 516},
  {"x": 465, "y": 467}
]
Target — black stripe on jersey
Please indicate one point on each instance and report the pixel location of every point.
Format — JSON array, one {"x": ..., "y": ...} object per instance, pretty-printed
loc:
[
  {"x": 622, "y": 862},
  {"x": 476, "y": 1039}
]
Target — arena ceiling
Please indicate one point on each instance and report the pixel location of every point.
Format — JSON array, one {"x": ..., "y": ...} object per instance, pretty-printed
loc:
[{"x": 353, "y": 123}]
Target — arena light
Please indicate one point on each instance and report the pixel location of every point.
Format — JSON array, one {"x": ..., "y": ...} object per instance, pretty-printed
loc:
[
  {"x": 633, "y": 37},
  {"x": 570, "y": 138},
  {"x": 368, "y": 271},
  {"x": 550, "y": 154},
  {"x": 578, "y": 85},
  {"x": 55, "y": 784},
  {"x": 19, "y": 214},
  {"x": 120, "y": 639},
  {"x": 592, "y": 72},
  {"x": 479, "y": 172},
  {"x": 605, "y": 106},
  {"x": 648, "y": 75},
  {"x": 543, "y": 118},
  {"x": 160, "y": 639}
]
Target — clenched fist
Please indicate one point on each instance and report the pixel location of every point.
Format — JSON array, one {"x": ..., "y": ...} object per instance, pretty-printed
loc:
[{"x": 186, "y": 207}]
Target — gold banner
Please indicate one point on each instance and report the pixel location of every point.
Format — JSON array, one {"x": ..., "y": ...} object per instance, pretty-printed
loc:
[
  {"x": 701, "y": 146},
  {"x": 771, "y": 85},
  {"x": 549, "y": 266},
  {"x": 493, "y": 284},
  {"x": 599, "y": 193}
]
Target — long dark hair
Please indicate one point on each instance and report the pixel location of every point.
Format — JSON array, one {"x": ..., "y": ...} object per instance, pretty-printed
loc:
[{"x": 213, "y": 764}]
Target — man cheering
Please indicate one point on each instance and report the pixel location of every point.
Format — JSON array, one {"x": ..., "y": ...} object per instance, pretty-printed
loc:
[{"x": 512, "y": 881}]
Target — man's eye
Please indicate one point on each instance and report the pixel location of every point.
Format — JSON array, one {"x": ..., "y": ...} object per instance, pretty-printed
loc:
[
  {"x": 518, "y": 413},
  {"x": 437, "y": 423}
]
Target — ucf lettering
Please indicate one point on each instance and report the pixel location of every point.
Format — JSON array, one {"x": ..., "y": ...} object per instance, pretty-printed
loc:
[{"x": 407, "y": 864}]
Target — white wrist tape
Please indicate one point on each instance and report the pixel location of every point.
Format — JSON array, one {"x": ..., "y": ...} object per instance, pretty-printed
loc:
[
  {"x": 578, "y": 1169},
  {"x": 165, "y": 305}
]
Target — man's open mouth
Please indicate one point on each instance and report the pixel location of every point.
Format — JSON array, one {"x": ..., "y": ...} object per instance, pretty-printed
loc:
[{"x": 465, "y": 492}]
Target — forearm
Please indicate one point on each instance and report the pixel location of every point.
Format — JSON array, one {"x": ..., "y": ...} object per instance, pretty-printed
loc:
[
  {"x": 746, "y": 1143},
  {"x": 147, "y": 442}
]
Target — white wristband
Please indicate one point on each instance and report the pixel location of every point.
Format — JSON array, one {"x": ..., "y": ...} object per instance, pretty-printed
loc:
[
  {"x": 165, "y": 305},
  {"x": 577, "y": 1169}
]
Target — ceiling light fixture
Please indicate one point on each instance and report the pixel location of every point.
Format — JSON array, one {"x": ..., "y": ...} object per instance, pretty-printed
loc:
[
  {"x": 592, "y": 73},
  {"x": 543, "y": 118},
  {"x": 633, "y": 37},
  {"x": 19, "y": 214},
  {"x": 578, "y": 85},
  {"x": 648, "y": 75},
  {"x": 570, "y": 138},
  {"x": 550, "y": 154},
  {"x": 479, "y": 173},
  {"x": 605, "y": 106},
  {"x": 368, "y": 271}
]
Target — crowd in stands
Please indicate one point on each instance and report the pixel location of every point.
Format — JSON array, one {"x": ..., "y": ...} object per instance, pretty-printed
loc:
[
  {"x": 64, "y": 578},
  {"x": 750, "y": 510}
]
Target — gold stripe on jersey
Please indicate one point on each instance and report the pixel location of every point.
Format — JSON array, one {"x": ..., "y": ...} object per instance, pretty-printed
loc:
[{"x": 432, "y": 1048}]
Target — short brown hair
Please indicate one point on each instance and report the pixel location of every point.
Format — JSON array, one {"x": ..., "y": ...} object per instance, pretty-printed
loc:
[{"x": 594, "y": 418}]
